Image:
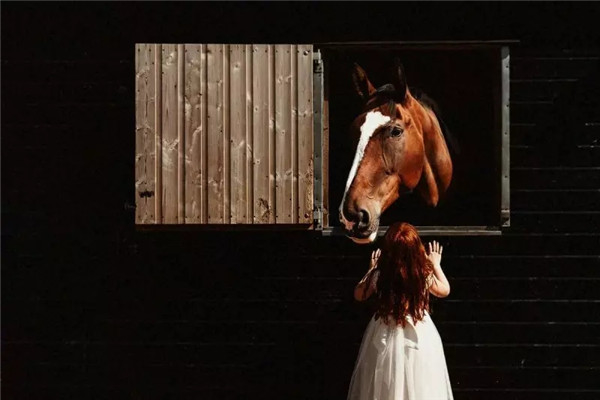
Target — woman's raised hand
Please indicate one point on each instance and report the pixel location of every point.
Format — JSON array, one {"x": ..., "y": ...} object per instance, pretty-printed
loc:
[
  {"x": 374, "y": 258},
  {"x": 435, "y": 252}
]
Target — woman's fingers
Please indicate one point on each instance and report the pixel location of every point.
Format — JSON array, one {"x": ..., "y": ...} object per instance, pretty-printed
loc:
[
  {"x": 375, "y": 254},
  {"x": 435, "y": 247}
]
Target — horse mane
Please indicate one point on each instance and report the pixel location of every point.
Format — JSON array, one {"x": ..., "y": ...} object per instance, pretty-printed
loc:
[{"x": 428, "y": 102}]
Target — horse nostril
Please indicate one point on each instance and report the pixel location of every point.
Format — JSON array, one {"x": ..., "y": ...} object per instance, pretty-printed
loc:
[{"x": 363, "y": 219}]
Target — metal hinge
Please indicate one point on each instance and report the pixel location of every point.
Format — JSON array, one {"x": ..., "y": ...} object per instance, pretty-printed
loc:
[
  {"x": 317, "y": 63},
  {"x": 317, "y": 218},
  {"x": 505, "y": 217}
]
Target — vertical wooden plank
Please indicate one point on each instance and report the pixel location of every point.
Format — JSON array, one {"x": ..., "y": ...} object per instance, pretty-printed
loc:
[
  {"x": 305, "y": 134},
  {"x": 180, "y": 135},
  {"x": 226, "y": 137},
  {"x": 238, "y": 133},
  {"x": 215, "y": 152},
  {"x": 294, "y": 130},
  {"x": 170, "y": 141},
  {"x": 204, "y": 135},
  {"x": 249, "y": 123},
  {"x": 158, "y": 133},
  {"x": 263, "y": 212},
  {"x": 144, "y": 139},
  {"x": 283, "y": 131},
  {"x": 140, "y": 176},
  {"x": 271, "y": 137},
  {"x": 193, "y": 132}
]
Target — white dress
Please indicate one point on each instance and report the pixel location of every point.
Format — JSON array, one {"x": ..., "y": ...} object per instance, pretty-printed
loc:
[{"x": 396, "y": 363}]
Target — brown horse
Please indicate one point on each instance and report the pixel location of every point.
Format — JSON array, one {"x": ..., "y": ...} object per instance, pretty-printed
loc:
[{"x": 401, "y": 147}]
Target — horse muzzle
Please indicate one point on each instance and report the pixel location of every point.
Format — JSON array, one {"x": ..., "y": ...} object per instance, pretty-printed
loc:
[{"x": 362, "y": 228}]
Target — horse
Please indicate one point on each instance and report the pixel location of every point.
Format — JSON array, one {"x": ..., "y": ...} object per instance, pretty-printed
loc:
[{"x": 401, "y": 148}]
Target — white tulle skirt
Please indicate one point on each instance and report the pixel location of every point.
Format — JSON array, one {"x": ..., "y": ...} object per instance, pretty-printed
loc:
[{"x": 396, "y": 363}]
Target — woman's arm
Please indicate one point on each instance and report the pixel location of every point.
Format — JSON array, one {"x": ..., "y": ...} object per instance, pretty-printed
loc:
[
  {"x": 367, "y": 285},
  {"x": 439, "y": 287}
]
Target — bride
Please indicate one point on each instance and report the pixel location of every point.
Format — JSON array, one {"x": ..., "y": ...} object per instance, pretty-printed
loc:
[{"x": 401, "y": 356}]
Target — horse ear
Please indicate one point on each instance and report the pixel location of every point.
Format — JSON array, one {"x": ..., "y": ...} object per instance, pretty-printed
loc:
[
  {"x": 399, "y": 80},
  {"x": 362, "y": 85}
]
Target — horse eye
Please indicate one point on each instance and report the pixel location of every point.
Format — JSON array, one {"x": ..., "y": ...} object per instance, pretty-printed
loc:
[{"x": 397, "y": 131}]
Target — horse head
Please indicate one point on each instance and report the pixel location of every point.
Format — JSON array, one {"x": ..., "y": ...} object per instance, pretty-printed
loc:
[{"x": 400, "y": 148}]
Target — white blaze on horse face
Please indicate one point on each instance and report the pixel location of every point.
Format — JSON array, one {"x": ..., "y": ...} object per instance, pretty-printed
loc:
[{"x": 373, "y": 120}]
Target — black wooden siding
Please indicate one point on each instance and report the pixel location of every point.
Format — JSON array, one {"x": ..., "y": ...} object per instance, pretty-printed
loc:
[{"x": 93, "y": 309}]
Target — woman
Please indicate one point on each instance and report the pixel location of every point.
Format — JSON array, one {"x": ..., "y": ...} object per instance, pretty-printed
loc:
[{"x": 401, "y": 355}]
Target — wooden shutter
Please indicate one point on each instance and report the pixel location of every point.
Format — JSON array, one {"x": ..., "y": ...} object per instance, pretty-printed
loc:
[{"x": 224, "y": 134}]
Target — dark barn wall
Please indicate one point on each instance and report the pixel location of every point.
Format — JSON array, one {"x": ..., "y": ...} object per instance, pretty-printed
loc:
[{"x": 93, "y": 309}]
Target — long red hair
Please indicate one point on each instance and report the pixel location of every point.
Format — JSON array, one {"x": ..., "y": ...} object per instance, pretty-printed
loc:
[{"x": 403, "y": 272}]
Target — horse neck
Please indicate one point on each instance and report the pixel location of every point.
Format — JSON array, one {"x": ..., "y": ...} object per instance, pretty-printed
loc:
[{"x": 437, "y": 168}]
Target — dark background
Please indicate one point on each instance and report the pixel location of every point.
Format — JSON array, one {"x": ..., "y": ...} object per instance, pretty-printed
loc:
[
  {"x": 466, "y": 86},
  {"x": 93, "y": 309}
]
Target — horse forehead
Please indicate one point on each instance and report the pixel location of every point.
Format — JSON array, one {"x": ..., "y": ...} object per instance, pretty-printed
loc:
[{"x": 373, "y": 120}]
